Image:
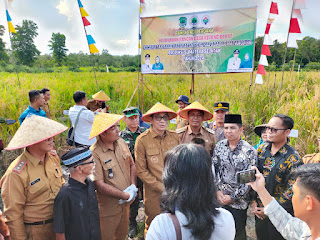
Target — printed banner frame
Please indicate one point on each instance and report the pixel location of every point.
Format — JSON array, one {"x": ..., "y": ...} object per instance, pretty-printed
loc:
[{"x": 200, "y": 42}]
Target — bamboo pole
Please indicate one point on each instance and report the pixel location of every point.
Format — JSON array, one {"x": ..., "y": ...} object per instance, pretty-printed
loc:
[
  {"x": 285, "y": 53},
  {"x": 85, "y": 31},
  {"x": 141, "y": 82}
]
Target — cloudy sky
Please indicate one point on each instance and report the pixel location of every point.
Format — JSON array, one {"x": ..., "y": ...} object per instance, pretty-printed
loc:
[{"x": 115, "y": 23}]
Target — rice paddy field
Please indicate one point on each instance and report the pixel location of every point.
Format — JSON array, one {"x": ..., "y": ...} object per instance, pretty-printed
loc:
[{"x": 299, "y": 97}]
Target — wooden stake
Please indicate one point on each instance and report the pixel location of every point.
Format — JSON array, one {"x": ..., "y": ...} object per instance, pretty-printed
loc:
[{"x": 192, "y": 84}]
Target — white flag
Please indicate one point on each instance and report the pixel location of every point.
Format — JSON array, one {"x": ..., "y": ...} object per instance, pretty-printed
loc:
[
  {"x": 259, "y": 79},
  {"x": 292, "y": 41},
  {"x": 263, "y": 60},
  {"x": 267, "y": 40}
]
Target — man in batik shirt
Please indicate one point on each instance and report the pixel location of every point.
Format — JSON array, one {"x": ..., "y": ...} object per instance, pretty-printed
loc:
[
  {"x": 232, "y": 155},
  {"x": 276, "y": 161},
  {"x": 130, "y": 134}
]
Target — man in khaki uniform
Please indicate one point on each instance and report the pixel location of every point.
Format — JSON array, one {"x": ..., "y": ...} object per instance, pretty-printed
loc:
[
  {"x": 220, "y": 109},
  {"x": 312, "y": 158},
  {"x": 46, "y": 107},
  {"x": 114, "y": 176},
  {"x": 182, "y": 101},
  {"x": 96, "y": 103},
  {"x": 33, "y": 180},
  {"x": 196, "y": 114},
  {"x": 150, "y": 149}
]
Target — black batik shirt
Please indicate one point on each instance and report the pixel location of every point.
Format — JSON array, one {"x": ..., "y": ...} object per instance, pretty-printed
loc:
[
  {"x": 226, "y": 164},
  {"x": 277, "y": 170},
  {"x": 76, "y": 211}
]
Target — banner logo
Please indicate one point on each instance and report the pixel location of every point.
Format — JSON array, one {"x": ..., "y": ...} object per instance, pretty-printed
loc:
[
  {"x": 194, "y": 21},
  {"x": 205, "y": 20},
  {"x": 183, "y": 22}
]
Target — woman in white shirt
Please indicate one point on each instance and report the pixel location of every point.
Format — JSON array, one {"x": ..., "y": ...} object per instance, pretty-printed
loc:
[{"x": 190, "y": 194}]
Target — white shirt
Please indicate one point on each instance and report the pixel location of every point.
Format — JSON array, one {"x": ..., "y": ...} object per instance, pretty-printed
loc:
[
  {"x": 146, "y": 68},
  {"x": 162, "y": 227},
  {"x": 233, "y": 64},
  {"x": 290, "y": 227},
  {"x": 84, "y": 126}
]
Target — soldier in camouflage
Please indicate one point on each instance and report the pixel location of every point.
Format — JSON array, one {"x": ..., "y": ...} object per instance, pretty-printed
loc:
[{"x": 130, "y": 134}]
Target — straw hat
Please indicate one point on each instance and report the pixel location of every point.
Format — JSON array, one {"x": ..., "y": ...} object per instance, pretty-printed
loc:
[
  {"x": 158, "y": 108},
  {"x": 102, "y": 122},
  {"x": 259, "y": 128},
  {"x": 35, "y": 129},
  {"x": 101, "y": 96},
  {"x": 196, "y": 106}
]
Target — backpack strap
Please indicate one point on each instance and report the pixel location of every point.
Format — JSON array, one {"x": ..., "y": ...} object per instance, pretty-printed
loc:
[
  {"x": 176, "y": 224},
  {"x": 75, "y": 125}
]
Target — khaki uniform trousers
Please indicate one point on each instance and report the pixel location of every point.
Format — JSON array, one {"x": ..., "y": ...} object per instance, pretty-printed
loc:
[
  {"x": 40, "y": 232},
  {"x": 151, "y": 206},
  {"x": 115, "y": 227}
]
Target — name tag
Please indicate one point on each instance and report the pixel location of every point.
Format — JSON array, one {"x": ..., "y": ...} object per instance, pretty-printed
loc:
[
  {"x": 107, "y": 161},
  {"x": 34, "y": 182}
]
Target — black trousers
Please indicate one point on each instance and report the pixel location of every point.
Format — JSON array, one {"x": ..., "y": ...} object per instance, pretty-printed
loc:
[
  {"x": 240, "y": 218},
  {"x": 266, "y": 231}
]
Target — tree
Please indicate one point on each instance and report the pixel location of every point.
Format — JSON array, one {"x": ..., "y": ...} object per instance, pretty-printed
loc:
[
  {"x": 58, "y": 47},
  {"x": 23, "y": 45},
  {"x": 3, "y": 54}
]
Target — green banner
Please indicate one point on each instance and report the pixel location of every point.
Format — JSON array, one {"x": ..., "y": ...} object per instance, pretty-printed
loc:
[{"x": 204, "y": 42}]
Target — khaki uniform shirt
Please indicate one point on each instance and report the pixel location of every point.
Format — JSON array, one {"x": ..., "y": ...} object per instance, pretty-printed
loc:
[
  {"x": 181, "y": 122},
  {"x": 28, "y": 190},
  {"x": 186, "y": 135},
  {"x": 150, "y": 149},
  {"x": 311, "y": 158},
  {"x": 93, "y": 105},
  {"x": 46, "y": 108},
  {"x": 218, "y": 131},
  {"x": 118, "y": 160}
]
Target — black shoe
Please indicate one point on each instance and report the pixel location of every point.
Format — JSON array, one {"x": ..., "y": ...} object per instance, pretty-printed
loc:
[{"x": 132, "y": 231}]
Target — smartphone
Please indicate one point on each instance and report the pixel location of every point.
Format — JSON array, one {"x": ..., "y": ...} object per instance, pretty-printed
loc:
[
  {"x": 103, "y": 105},
  {"x": 246, "y": 176}
]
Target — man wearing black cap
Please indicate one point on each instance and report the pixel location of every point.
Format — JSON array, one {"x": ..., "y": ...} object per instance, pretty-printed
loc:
[
  {"x": 234, "y": 62},
  {"x": 130, "y": 134},
  {"x": 220, "y": 109},
  {"x": 76, "y": 213},
  {"x": 182, "y": 102},
  {"x": 147, "y": 67},
  {"x": 232, "y": 155}
]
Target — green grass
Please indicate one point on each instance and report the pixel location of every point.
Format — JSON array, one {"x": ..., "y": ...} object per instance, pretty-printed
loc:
[{"x": 299, "y": 98}]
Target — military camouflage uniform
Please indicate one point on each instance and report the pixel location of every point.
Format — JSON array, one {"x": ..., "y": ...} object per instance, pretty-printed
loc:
[{"x": 130, "y": 138}]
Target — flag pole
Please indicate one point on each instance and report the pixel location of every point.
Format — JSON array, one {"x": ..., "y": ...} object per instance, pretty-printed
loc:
[
  {"x": 14, "y": 59},
  {"x": 285, "y": 52},
  {"x": 85, "y": 31}
]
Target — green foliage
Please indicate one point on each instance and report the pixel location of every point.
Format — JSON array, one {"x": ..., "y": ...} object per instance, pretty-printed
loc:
[
  {"x": 3, "y": 54},
  {"x": 24, "y": 49},
  {"x": 58, "y": 47}
]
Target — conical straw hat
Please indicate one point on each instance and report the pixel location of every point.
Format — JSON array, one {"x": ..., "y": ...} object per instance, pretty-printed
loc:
[
  {"x": 195, "y": 106},
  {"x": 258, "y": 129},
  {"x": 158, "y": 108},
  {"x": 35, "y": 129},
  {"x": 101, "y": 96},
  {"x": 102, "y": 122}
]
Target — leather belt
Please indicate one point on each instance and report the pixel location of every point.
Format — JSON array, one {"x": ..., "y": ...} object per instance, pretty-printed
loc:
[{"x": 41, "y": 222}]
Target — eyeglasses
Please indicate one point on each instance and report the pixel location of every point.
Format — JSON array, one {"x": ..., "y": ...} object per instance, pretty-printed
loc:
[
  {"x": 85, "y": 163},
  {"x": 274, "y": 130},
  {"x": 159, "y": 118}
]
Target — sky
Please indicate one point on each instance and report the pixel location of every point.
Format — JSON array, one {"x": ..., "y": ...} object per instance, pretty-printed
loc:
[{"x": 115, "y": 23}]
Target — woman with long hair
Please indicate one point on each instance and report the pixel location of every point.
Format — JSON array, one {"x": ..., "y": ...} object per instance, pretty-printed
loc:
[{"x": 190, "y": 195}]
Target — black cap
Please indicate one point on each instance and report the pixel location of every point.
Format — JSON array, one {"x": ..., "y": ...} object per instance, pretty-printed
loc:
[
  {"x": 147, "y": 55},
  {"x": 236, "y": 51},
  {"x": 233, "y": 118},
  {"x": 221, "y": 106},
  {"x": 76, "y": 156},
  {"x": 183, "y": 98}
]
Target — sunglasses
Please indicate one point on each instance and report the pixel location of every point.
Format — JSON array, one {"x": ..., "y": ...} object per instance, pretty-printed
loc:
[
  {"x": 159, "y": 118},
  {"x": 85, "y": 163},
  {"x": 275, "y": 130}
]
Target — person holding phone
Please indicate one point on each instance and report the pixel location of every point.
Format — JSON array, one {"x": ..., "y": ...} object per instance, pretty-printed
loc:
[{"x": 230, "y": 156}]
